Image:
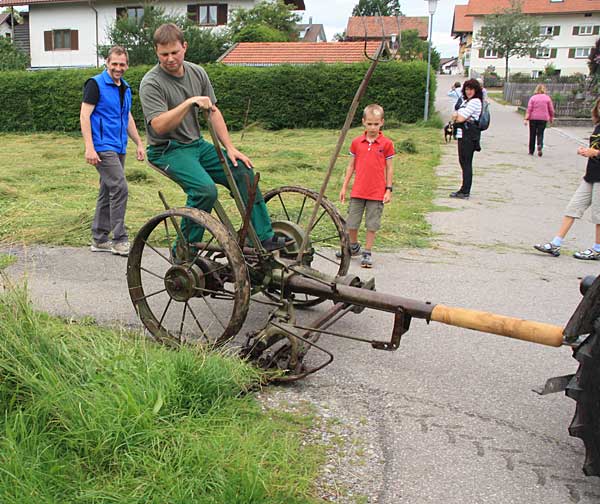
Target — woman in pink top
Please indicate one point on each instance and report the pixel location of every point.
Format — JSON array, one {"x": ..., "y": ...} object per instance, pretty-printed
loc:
[{"x": 539, "y": 111}]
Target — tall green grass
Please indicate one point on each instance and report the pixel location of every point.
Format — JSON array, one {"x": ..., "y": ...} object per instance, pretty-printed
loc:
[
  {"x": 92, "y": 415},
  {"x": 48, "y": 192}
]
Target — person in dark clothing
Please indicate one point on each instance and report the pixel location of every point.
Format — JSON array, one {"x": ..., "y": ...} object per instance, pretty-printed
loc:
[
  {"x": 106, "y": 121},
  {"x": 587, "y": 195},
  {"x": 468, "y": 133}
]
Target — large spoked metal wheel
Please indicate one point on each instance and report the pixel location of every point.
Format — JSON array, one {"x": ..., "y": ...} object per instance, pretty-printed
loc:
[
  {"x": 200, "y": 293},
  {"x": 328, "y": 251}
]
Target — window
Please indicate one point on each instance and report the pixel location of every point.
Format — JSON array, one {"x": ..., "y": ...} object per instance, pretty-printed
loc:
[
  {"x": 535, "y": 74},
  {"x": 582, "y": 52},
  {"x": 547, "y": 30},
  {"x": 135, "y": 13},
  {"x": 586, "y": 30},
  {"x": 543, "y": 52},
  {"x": 61, "y": 40},
  {"x": 208, "y": 14},
  {"x": 490, "y": 53}
]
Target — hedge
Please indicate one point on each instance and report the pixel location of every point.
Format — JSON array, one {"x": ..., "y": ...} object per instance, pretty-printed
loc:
[{"x": 283, "y": 96}]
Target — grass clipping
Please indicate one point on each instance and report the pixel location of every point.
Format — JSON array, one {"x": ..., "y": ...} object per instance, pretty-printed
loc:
[{"x": 91, "y": 415}]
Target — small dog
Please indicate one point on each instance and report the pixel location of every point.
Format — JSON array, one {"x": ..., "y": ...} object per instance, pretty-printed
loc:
[{"x": 449, "y": 131}]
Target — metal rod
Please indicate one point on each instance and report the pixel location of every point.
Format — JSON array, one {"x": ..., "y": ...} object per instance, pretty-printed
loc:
[{"x": 426, "y": 114}]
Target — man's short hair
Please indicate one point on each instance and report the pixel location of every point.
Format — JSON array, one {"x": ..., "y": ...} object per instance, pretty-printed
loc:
[
  {"x": 373, "y": 109},
  {"x": 167, "y": 34},
  {"x": 118, "y": 50}
]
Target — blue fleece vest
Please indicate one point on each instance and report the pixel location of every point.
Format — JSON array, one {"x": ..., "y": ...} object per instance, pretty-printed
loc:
[{"x": 109, "y": 119}]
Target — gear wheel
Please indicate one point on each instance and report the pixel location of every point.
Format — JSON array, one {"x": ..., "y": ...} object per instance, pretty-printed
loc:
[{"x": 584, "y": 388}]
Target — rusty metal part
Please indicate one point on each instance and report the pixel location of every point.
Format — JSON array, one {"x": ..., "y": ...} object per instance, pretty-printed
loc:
[
  {"x": 178, "y": 299},
  {"x": 252, "y": 189},
  {"x": 326, "y": 236},
  {"x": 237, "y": 197}
]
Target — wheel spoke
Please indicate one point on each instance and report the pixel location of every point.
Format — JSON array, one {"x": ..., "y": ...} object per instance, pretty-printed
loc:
[
  {"x": 317, "y": 221},
  {"x": 284, "y": 207},
  {"x": 337, "y": 263},
  {"x": 137, "y": 300},
  {"x": 165, "y": 312},
  {"x": 323, "y": 240},
  {"x": 230, "y": 295},
  {"x": 182, "y": 322},
  {"x": 197, "y": 322},
  {"x": 152, "y": 273},
  {"x": 301, "y": 209},
  {"x": 213, "y": 312},
  {"x": 159, "y": 253},
  {"x": 166, "y": 223}
]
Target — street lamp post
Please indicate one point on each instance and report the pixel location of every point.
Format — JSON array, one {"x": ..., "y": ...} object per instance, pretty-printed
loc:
[{"x": 432, "y": 6}]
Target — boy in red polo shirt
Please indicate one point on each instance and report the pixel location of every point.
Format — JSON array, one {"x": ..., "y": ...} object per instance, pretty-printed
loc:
[{"x": 371, "y": 161}]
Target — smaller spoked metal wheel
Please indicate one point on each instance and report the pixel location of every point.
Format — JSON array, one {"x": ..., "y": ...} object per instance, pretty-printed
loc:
[
  {"x": 328, "y": 250},
  {"x": 198, "y": 293}
]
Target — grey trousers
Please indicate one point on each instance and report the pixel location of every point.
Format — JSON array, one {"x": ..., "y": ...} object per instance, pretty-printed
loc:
[{"x": 112, "y": 199}]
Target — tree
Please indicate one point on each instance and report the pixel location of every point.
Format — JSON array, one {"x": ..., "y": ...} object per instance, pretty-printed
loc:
[
  {"x": 413, "y": 48},
  {"x": 509, "y": 32},
  {"x": 377, "y": 8},
  {"x": 275, "y": 15},
  {"x": 204, "y": 45},
  {"x": 10, "y": 57}
]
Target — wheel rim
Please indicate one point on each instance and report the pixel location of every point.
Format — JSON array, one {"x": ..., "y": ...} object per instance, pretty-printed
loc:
[
  {"x": 202, "y": 297},
  {"x": 328, "y": 234}
]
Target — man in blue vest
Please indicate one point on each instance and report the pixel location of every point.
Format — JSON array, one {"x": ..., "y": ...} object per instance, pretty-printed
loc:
[{"x": 106, "y": 121}]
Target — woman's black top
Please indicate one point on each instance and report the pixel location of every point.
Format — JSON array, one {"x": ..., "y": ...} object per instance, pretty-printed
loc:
[{"x": 592, "y": 171}]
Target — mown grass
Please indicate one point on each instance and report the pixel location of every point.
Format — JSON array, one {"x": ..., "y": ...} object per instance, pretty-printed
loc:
[
  {"x": 47, "y": 192},
  {"x": 92, "y": 415},
  {"x": 6, "y": 260}
]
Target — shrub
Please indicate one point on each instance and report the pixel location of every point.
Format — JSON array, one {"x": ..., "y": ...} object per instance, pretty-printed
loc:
[
  {"x": 286, "y": 96},
  {"x": 10, "y": 57}
]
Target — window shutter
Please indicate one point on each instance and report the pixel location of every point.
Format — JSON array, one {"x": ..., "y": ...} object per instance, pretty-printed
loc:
[
  {"x": 556, "y": 31},
  {"x": 48, "y": 41},
  {"x": 482, "y": 53},
  {"x": 121, "y": 12},
  {"x": 192, "y": 12},
  {"x": 533, "y": 53},
  {"x": 553, "y": 52},
  {"x": 74, "y": 40},
  {"x": 572, "y": 52},
  {"x": 500, "y": 54},
  {"x": 575, "y": 30},
  {"x": 596, "y": 30},
  {"x": 222, "y": 14}
]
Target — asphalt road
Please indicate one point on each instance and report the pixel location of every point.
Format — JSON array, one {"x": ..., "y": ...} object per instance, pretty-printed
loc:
[{"x": 450, "y": 417}]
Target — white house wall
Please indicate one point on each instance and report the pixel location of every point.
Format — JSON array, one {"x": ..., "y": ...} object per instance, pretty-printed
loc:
[
  {"x": 81, "y": 17},
  {"x": 563, "y": 42}
]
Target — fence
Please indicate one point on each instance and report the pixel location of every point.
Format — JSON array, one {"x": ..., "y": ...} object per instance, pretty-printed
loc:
[{"x": 568, "y": 99}]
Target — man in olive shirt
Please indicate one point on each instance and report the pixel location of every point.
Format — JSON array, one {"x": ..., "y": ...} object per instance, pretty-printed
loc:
[{"x": 171, "y": 94}]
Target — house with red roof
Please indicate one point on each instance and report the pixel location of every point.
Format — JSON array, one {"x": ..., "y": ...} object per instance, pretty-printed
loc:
[
  {"x": 298, "y": 53},
  {"x": 360, "y": 28},
  {"x": 573, "y": 27},
  {"x": 68, "y": 33}
]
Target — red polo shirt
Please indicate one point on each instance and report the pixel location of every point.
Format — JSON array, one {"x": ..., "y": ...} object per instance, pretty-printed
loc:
[{"x": 369, "y": 166}]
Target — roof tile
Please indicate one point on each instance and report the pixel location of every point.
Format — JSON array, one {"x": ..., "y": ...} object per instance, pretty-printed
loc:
[
  {"x": 356, "y": 26},
  {"x": 484, "y": 7}
]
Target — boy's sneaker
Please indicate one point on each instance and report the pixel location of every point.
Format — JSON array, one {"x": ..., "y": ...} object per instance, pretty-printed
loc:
[
  {"x": 121, "y": 248},
  {"x": 548, "y": 248},
  {"x": 587, "y": 254},
  {"x": 101, "y": 246},
  {"x": 366, "y": 261},
  {"x": 355, "y": 250}
]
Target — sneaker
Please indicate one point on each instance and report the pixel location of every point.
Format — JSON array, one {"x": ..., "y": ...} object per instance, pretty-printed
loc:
[
  {"x": 366, "y": 261},
  {"x": 460, "y": 195},
  {"x": 539, "y": 151},
  {"x": 548, "y": 248},
  {"x": 105, "y": 246},
  {"x": 121, "y": 248},
  {"x": 587, "y": 254},
  {"x": 355, "y": 250}
]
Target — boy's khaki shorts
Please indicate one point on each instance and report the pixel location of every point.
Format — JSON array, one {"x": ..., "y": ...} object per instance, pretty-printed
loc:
[
  {"x": 585, "y": 196},
  {"x": 374, "y": 210}
]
